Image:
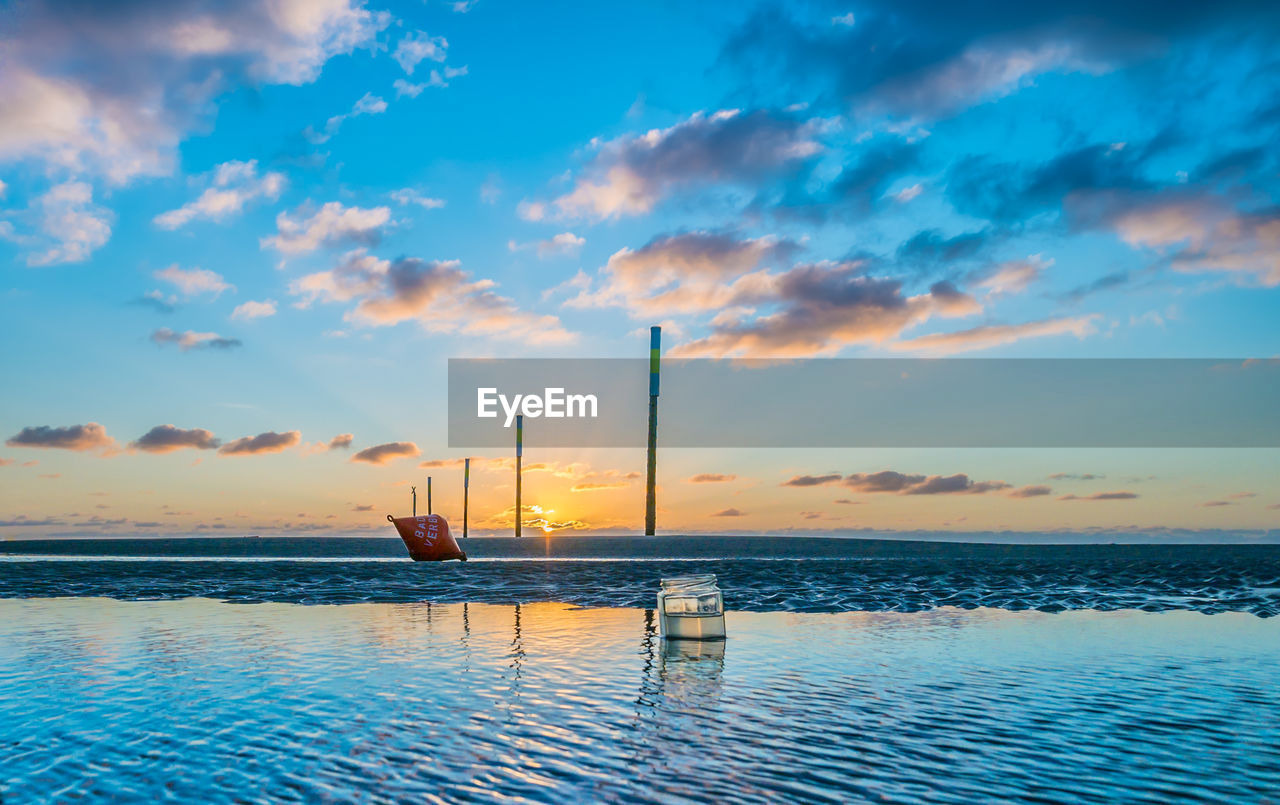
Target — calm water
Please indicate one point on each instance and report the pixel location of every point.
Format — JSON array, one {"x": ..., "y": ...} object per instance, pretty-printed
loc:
[{"x": 196, "y": 700}]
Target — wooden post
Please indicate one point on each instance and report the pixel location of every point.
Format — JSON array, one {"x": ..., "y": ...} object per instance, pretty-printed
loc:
[
  {"x": 414, "y": 489},
  {"x": 466, "y": 490},
  {"x": 519, "y": 452},
  {"x": 428, "y": 495},
  {"x": 650, "y": 491}
]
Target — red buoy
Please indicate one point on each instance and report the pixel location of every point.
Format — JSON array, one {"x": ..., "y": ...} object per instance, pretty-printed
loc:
[{"x": 427, "y": 537}]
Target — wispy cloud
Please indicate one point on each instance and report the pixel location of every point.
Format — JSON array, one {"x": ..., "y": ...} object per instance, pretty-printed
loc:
[
  {"x": 254, "y": 310},
  {"x": 416, "y": 46},
  {"x": 994, "y": 335},
  {"x": 191, "y": 340},
  {"x": 1103, "y": 496},
  {"x": 330, "y": 225},
  {"x": 72, "y": 225},
  {"x": 367, "y": 104},
  {"x": 235, "y": 184},
  {"x": 194, "y": 281}
]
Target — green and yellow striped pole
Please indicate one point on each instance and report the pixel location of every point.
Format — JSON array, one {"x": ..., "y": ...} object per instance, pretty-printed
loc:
[
  {"x": 466, "y": 491},
  {"x": 519, "y": 452},
  {"x": 650, "y": 493}
]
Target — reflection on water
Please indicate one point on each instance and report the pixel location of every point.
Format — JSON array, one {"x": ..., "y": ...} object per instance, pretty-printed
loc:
[{"x": 200, "y": 701}]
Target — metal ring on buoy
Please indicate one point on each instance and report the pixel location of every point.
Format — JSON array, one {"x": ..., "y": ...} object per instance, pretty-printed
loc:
[{"x": 390, "y": 519}]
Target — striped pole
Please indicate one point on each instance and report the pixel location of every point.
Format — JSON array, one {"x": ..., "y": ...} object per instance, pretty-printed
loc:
[
  {"x": 428, "y": 495},
  {"x": 414, "y": 489},
  {"x": 466, "y": 490},
  {"x": 519, "y": 452},
  {"x": 650, "y": 492}
]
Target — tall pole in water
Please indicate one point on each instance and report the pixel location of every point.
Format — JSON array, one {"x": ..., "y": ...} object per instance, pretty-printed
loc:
[
  {"x": 519, "y": 452},
  {"x": 650, "y": 494},
  {"x": 466, "y": 490},
  {"x": 428, "y": 495}
]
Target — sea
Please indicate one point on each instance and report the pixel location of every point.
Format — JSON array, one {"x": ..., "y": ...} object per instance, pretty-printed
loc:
[{"x": 284, "y": 669}]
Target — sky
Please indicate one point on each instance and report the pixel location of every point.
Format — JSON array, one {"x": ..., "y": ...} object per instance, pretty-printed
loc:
[{"x": 239, "y": 242}]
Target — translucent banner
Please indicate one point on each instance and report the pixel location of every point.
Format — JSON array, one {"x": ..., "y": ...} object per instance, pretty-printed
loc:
[{"x": 869, "y": 402}]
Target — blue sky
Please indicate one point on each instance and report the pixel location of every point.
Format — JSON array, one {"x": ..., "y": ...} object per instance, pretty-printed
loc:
[{"x": 279, "y": 221}]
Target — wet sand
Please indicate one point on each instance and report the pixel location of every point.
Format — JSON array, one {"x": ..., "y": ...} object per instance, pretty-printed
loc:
[{"x": 757, "y": 574}]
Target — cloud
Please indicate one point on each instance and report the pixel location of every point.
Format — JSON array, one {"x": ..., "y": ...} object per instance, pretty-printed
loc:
[
  {"x": 189, "y": 340},
  {"x": 254, "y": 310},
  {"x": 995, "y": 335},
  {"x": 1009, "y": 192},
  {"x": 80, "y": 438},
  {"x": 367, "y": 104},
  {"x": 361, "y": 508},
  {"x": 195, "y": 281},
  {"x": 442, "y": 462},
  {"x": 113, "y": 89},
  {"x": 689, "y": 272},
  {"x": 341, "y": 442},
  {"x": 921, "y": 59},
  {"x": 404, "y": 88},
  {"x": 820, "y": 309},
  {"x": 710, "y": 478},
  {"x": 157, "y": 301},
  {"x": 813, "y": 480},
  {"x": 69, "y": 218},
  {"x": 1201, "y": 234},
  {"x": 383, "y": 453},
  {"x": 234, "y": 185},
  {"x": 416, "y": 46},
  {"x": 892, "y": 482},
  {"x": 1102, "y": 496},
  {"x": 1030, "y": 492},
  {"x": 167, "y": 438},
  {"x": 438, "y": 295},
  {"x": 564, "y": 244},
  {"x": 269, "y": 442},
  {"x": 410, "y": 196},
  {"x": 22, "y": 520},
  {"x": 1073, "y": 476},
  {"x": 730, "y": 513},
  {"x": 908, "y": 193},
  {"x": 435, "y": 78},
  {"x": 1192, "y": 228},
  {"x": 952, "y": 484},
  {"x": 630, "y": 175},
  {"x": 883, "y": 481},
  {"x": 860, "y": 186},
  {"x": 1014, "y": 276},
  {"x": 331, "y": 225},
  {"x": 598, "y": 486}
]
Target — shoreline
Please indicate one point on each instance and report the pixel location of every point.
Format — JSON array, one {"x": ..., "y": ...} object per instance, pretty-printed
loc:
[{"x": 630, "y": 547}]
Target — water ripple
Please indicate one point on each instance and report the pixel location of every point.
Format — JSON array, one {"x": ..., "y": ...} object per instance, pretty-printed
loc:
[{"x": 200, "y": 701}]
